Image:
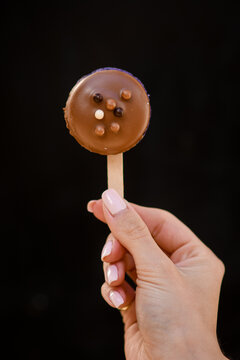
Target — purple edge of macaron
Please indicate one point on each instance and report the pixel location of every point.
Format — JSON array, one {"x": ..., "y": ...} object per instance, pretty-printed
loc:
[{"x": 127, "y": 72}]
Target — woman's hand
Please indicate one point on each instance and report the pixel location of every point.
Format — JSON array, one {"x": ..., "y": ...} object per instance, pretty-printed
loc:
[{"x": 172, "y": 314}]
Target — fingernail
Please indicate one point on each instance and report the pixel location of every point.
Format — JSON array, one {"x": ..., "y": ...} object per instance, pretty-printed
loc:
[
  {"x": 107, "y": 249},
  {"x": 90, "y": 206},
  {"x": 112, "y": 273},
  {"x": 116, "y": 298},
  {"x": 113, "y": 201}
]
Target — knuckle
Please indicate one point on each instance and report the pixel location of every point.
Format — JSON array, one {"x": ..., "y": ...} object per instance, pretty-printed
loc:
[
  {"x": 104, "y": 290},
  {"x": 133, "y": 227},
  {"x": 137, "y": 231},
  {"x": 220, "y": 266}
]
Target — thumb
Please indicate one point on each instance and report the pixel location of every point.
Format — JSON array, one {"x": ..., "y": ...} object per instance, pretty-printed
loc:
[{"x": 131, "y": 231}]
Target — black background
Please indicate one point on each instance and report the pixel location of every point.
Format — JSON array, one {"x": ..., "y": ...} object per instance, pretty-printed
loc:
[{"x": 185, "y": 54}]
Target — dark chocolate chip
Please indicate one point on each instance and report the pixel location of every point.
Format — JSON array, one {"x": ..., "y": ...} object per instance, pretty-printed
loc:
[
  {"x": 98, "y": 98},
  {"x": 118, "y": 111}
]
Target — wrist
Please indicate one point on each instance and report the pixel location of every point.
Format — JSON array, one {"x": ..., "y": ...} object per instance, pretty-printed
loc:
[
  {"x": 198, "y": 350},
  {"x": 199, "y": 345},
  {"x": 207, "y": 350}
]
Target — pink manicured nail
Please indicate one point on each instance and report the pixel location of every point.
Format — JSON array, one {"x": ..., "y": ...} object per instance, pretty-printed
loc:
[
  {"x": 90, "y": 206},
  {"x": 107, "y": 249},
  {"x": 116, "y": 298},
  {"x": 112, "y": 273},
  {"x": 113, "y": 201}
]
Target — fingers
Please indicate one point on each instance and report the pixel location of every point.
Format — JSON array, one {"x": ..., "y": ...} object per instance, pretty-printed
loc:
[
  {"x": 112, "y": 250},
  {"x": 116, "y": 288},
  {"x": 119, "y": 296},
  {"x": 115, "y": 272},
  {"x": 117, "y": 261},
  {"x": 122, "y": 298},
  {"x": 131, "y": 231}
]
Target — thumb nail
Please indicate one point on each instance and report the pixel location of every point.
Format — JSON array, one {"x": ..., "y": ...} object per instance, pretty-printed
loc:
[{"x": 113, "y": 201}]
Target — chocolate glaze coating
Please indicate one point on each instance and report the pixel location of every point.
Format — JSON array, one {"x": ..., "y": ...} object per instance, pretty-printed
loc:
[{"x": 81, "y": 107}]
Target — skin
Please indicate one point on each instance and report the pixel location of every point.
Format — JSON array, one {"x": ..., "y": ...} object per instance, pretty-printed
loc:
[{"x": 172, "y": 315}]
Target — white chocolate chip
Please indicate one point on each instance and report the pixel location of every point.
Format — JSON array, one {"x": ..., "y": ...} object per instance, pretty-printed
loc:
[{"x": 99, "y": 114}]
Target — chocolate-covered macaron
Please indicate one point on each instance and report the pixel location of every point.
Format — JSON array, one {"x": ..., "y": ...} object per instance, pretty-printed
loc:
[{"x": 108, "y": 111}]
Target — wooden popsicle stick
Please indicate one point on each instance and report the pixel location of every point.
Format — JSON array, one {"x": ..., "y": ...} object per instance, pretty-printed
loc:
[{"x": 115, "y": 173}]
